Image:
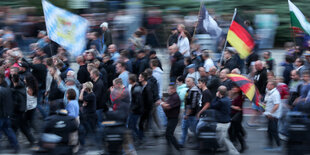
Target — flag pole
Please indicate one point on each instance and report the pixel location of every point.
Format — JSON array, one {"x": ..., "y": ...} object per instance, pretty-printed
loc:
[
  {"x": 233, "y": 18},
  {"x": 201, "y": 3}
]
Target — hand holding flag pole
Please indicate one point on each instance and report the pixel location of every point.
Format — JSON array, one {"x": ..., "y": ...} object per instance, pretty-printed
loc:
[{"x": 233, "y": 18}]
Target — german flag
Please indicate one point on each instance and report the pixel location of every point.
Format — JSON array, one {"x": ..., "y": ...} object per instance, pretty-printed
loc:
[{"x": 239, "y": 37}]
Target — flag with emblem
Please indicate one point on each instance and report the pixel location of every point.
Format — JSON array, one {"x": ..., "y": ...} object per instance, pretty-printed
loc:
[
  {"x": 65, "y": 28},
  {"x": 299, "y": 22}
]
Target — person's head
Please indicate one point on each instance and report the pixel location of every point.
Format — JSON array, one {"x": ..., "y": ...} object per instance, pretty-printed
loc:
[
  {"x": 71, "y": 95},
  {"x": 143, "y": 77},
  {"x": 52, "y": 70},
  {"x": 70, "y": 74},
  {"x": 205, "y": 54},
  {"x": 212, "y": 70},
  {"x": 223, "y": 73},
  {"x": 90, "y": 55},
  {"x": 222, "y": 91},
  {"x": 32, "y": 83},
  {"x": 258, "y": 65},
  {"x": 227, "y": 55},
  {"x": 306, "y": 75},
  {"x": 39, "y": 51},
  {"x": 181, "y": 27},
  {"x": 96, "y": 63},
  {"x": 267, "y": 55},
  {"x": 141, "y": 54},
  {"x": 172, "y": 89},
  {"x": 60, "y": 64},
  {"x": 202, "y": 72},
  {"x": 118, "y": 83},
  {"x": 112, "y": 48},
  {"x": 187, "y": 61},
  {"x": 279, "y": 79},
  {"x": 190, "y": 82},
  {"x": 236, "y": 71},
  {"x": 191, "y": 68},
  {"x": 202, "y": 82},
  {"x": 48, "y": 62},
  {"x": 37, "y": 60},
  {"x": 154, "y": 63},
  {"x": 270, "y": 75},
  {"x": 152, "y": 54},
  {"x": 173, "y": 49},
  {"x": 180, "y": 80},
  {"x": 41, "y": 34},
  {"x": 289, "y": 59},
  {"x": 94, "y": 74},
  {"x": 14, "y": 70},
  {"x": 149, "y": 72},
  {"x": 90, "y": 67},
  {"x": 271, "y": 84},
  {"x": 104, "y": 26},
  {"x": 299, "y": 62},
  {"x": 80, "y": 60},
  {"x": 132, "y": 78},
  {"x": 295, "y": 75},
  {"x": 120, "y": 67},
  {"x": 88, "y": 86}
]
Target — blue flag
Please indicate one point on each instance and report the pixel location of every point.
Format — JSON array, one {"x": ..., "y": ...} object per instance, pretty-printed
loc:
[
  {"x": 207, "y": 25},
  {"x": 65, "y": 28}
]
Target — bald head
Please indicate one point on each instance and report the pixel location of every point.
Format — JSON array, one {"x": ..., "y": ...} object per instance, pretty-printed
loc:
[
  {"x": 173, "y": 49},
  {"x": 258, "y": 65},
  {"x": 212, "y": 70},
  {"x": 80, "y": 60},
  {"x": 236, "y": 71}
]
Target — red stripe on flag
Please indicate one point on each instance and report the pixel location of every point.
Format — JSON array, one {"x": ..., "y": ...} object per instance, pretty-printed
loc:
[{"x": 242, "y": 33}]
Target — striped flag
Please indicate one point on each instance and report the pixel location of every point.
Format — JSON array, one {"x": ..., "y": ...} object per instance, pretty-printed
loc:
[
  {"x": 65, "y": 28},
  {"x": 298, "y": 20},
  {"x": 239, "y": 37}
]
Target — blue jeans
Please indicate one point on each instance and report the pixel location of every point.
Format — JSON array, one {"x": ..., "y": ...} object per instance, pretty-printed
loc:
[
  {"x": 99, "y": 113},
  {"x": 43, "y": 105},
  {"x": 191, "y": 123},
  {"x": 5, "y": 127},
  {"x": 132, "y": 124}
]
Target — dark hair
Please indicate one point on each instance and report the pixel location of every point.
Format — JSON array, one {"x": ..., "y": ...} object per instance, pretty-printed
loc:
[
  {"x": 155, "y": 62},
  {"x": 49, "y": 61},
  {"x": 173, "y": 85},
  {"x": 188, "y": 60},
  {"x": 289, "y": 58},
  {"x": 15, "y": 77},
  {"x": 132, "y": 77},
  {"x": 149, "y": 72},
  {"x": 203, "y": 80},
  {"x": 144, "y": 75},
  {"x": 123, "y": 64},
  {"x": 96, "y": 72},
  {"x": 32, "y": 83},
  {"x": 71, "y": 94},
  {"x": 181, "y": 79}
]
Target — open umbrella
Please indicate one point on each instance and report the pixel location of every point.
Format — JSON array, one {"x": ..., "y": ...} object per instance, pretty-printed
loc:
[{"x": 246, "y": 86}]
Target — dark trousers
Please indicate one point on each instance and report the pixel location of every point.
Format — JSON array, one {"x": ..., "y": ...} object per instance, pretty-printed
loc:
[
  {"x": 132, "y": 124},
  {"x": 171, "y": 125},
  {"x": 5, "y": 127},
  {"x": 19, "y": 122},
  {"x": 273, "y": 131},
  {"x": 144, "y": 122}
]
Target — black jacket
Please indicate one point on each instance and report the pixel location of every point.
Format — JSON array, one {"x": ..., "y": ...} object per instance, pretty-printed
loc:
[
  {"x": 83, "y": 75},
  {"x": 174, "y": 104},
  {"x": 6, "y": 102},
  {"x": 107, "y": 37},
  {"x": 104, "y": 75},
  {"x": 260, "y": 80},
  {"x": 100, "y": 94},
  {"x": 230, "y": 64},
  {"x": 61, "y": 125},
  {"x": 55, "y": 93},
  {"x": 147, "y": 98},
  {"x": 136, "y": 106},
  {"x": 141, "y": 65},
  {"x": 39, "y": 71},
  {"x": 154, "y": 87},
  {"x": 19, "y": 97},
  {"x": 177, "y": 65},
  {"x": 110, "y": 68},
  {"x": 222, "y": 107},
  {"x": 213, "y": 84}
]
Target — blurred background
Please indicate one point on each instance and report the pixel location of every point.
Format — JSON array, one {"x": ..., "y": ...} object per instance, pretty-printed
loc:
[{"x": 270, "y": 19}]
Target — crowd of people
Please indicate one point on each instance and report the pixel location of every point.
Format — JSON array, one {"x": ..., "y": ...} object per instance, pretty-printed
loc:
[{"x": 126, "y": 85}]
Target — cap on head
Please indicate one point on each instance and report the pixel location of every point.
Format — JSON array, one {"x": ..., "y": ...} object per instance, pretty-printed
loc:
[{"x": 190, "y": 66}]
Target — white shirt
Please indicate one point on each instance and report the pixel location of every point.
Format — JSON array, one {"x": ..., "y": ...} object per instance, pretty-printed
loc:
[
  {"x": 31, "y": 101},
  {"x": 183, "y": 45},
  {"x": 208, "y": 64},
  {"x": 272, "y": 98}
]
